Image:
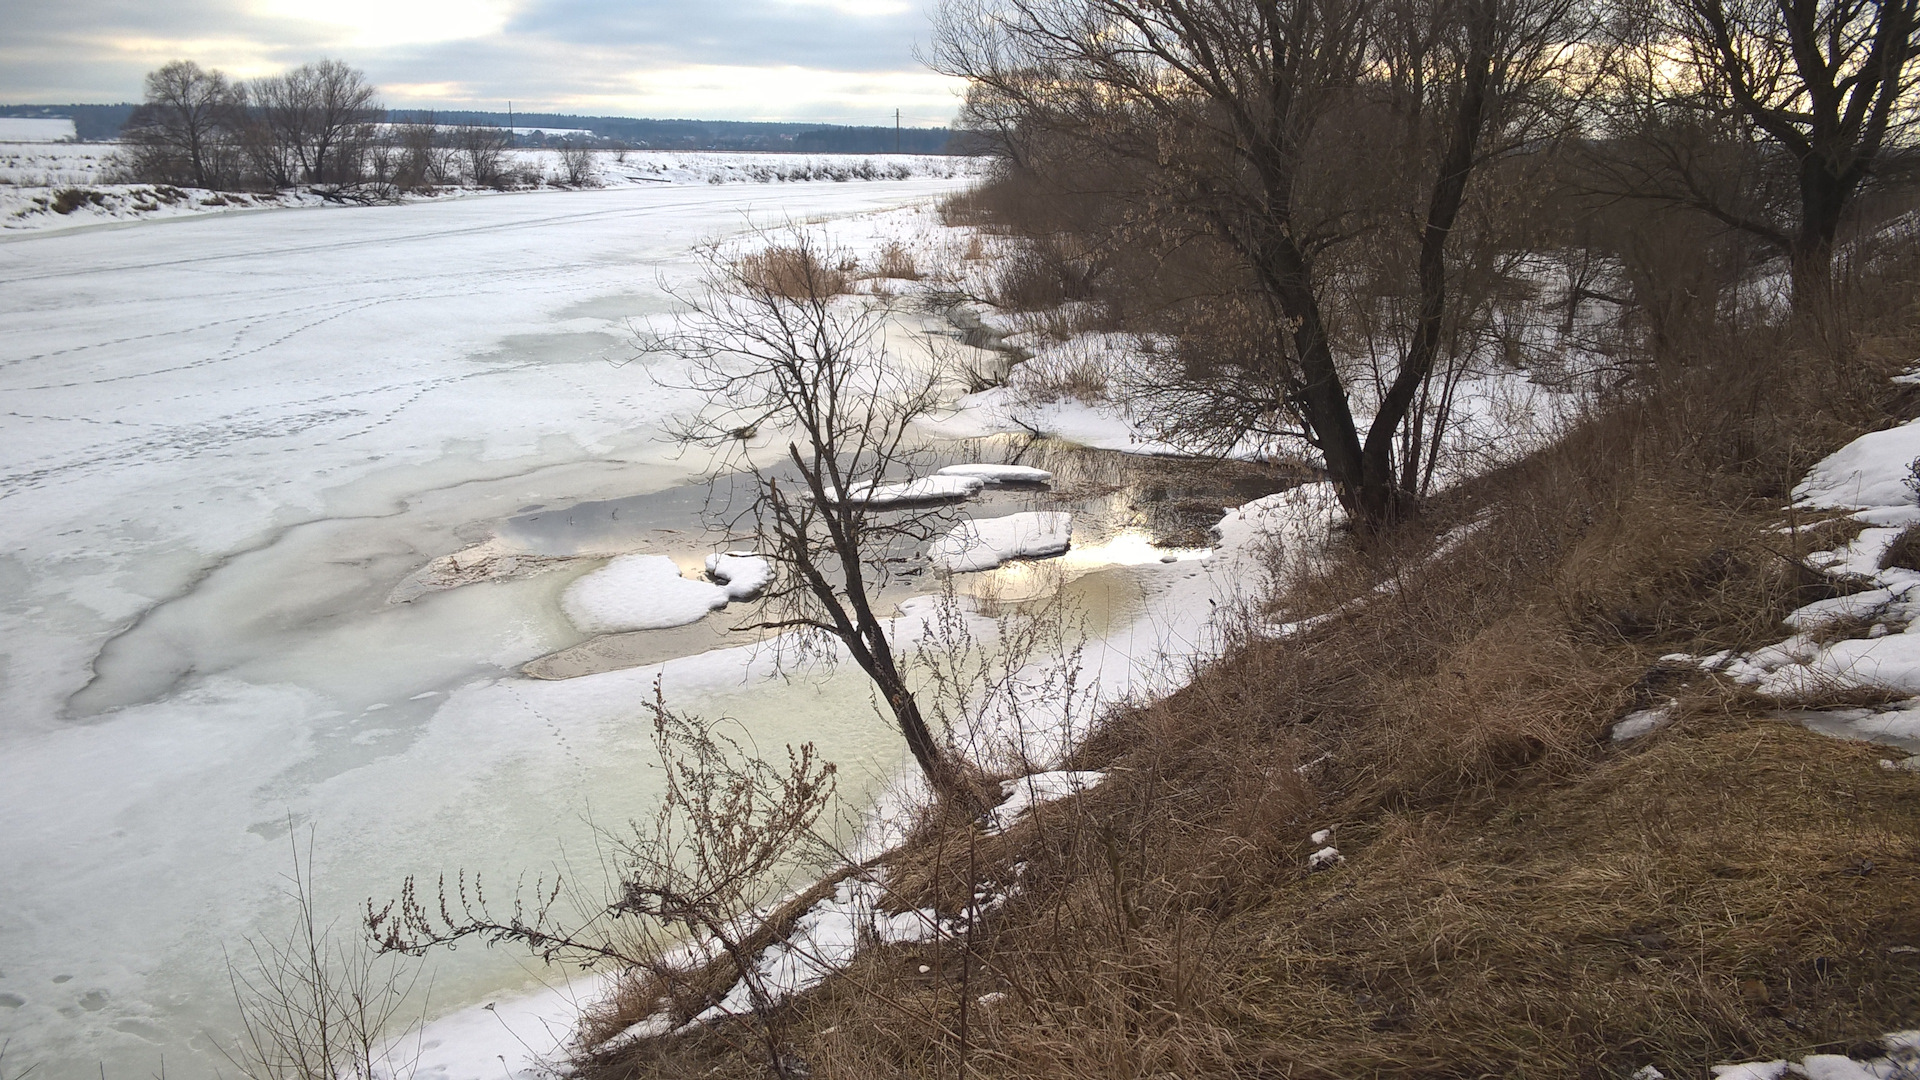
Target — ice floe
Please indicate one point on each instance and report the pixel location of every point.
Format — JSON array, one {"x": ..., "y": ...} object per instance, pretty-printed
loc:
[
  {"x": 1000, "y": 474},
  {"x": 639, "y": 592},
  {"x": 984, "y": 543}
]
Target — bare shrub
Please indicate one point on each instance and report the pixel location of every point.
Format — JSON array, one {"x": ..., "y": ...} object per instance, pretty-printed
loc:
[
  {"x": 579, "y": 164},
  {"x": 314, "y": 1006},
  {"x": 689, "y": 905},
  {"x": 483, "y": 152}
]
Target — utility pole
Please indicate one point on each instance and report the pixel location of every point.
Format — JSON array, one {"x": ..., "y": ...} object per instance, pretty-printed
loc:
[{"x": 896, "y": 131}]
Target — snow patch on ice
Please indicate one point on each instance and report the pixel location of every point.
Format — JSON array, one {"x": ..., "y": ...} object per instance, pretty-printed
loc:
[
  {"x": 924, "y": 489},
  {"x": 744, "y": 574},
  {"x": 1000, "y": 474},
  {"x": 984, "y": 543},
  {"x": 639, "y": 592}
]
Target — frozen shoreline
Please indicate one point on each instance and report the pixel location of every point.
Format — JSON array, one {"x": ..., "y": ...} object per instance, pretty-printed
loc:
[{"x": 230, "y": 439}]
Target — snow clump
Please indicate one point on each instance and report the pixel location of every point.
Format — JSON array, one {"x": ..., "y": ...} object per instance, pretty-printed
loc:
[
  {"x": 639, "y": 592},
  {"x": 744, "y": 574},
  {"x": 984, "y": 543}
]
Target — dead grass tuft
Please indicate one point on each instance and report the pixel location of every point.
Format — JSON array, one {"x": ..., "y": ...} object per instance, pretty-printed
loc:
[
  {"x": 792, "y": 273},
  {"x": 1904, "y": 552}
]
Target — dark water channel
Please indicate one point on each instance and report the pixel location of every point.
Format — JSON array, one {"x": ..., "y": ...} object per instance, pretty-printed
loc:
[{"x": 1153, "y": 504}]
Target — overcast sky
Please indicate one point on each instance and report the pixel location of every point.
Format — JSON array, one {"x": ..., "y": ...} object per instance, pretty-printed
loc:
[{"x": 840, "y": 61}]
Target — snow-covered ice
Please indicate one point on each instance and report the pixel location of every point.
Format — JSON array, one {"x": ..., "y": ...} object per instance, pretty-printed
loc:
[
  {"x": 919, "y": 490},
  {"x": 1000, "y": 474},
  {"x": 35, "y": 130},
  {"x": 639, "y": 592},
  {"x": 745, "y": 574},
  {"x": 984, "y": 543}
]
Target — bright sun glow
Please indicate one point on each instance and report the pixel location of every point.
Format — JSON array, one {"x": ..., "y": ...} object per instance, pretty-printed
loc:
[
  {"x": 1023, "y": 580},
  {"x": 375, "y": 23}
]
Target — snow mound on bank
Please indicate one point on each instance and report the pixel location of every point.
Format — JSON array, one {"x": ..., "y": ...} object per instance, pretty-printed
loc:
[
  {"x": 984, "y": 543},
  {"x": 639, "y": 592},
  {"x": 744, "y": 574},
  {"x": 1869, "y": 640},
  {"x": 1001, "y": 474},
  {"x": 824, "y": 941},
  {"x": 1023, "y": 793}
]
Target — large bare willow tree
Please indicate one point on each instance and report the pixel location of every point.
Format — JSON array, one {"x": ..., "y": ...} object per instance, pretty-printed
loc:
[
  {"x": 1280, "y": 131},
  {"x": 1769, "y": 117}
]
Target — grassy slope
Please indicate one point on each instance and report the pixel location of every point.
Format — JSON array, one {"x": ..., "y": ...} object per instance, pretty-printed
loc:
[{"x": 1520, "y": 896}]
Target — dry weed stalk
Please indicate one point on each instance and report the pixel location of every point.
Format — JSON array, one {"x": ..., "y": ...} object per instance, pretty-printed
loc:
[
  {"x": 316, "y": 1007},
  {"x": 687, "y": 908}
]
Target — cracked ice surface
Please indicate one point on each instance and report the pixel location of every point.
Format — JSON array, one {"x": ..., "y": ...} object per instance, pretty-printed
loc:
[{"x": 225, "y": 440}]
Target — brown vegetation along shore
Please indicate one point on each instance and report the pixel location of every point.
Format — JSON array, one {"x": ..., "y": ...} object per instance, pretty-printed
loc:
[{"x": 1517, "y": 894}]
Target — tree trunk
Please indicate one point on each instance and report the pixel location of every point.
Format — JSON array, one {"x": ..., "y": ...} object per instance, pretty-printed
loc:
[{"x": 1823, "y": 199}]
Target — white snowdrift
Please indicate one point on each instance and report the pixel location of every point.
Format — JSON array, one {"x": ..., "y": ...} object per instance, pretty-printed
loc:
[
  {"x": 639, "y": 592},
  {"x": 984, "y": 543},
  {"x": 925, "y": 489},
  {"x": 1001, "y": 474},
  {"x": 1023, "y": 793},
  {"x": 743, "y": 573},
  {"x": 1869, "y": 476}
]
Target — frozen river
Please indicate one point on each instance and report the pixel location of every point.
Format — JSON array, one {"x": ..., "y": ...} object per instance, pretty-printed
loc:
[{"x": 226, "y": 439}]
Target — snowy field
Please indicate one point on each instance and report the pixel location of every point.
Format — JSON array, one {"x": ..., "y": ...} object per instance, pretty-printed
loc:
[
  {"x": 227, "y": 438},
  {"x": 33, "y": 173}
]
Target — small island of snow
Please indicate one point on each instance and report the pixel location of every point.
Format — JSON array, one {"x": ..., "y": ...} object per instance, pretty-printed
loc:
[
  {"x": 984, "y": 543},
  {"x": 639, "y": 592}
]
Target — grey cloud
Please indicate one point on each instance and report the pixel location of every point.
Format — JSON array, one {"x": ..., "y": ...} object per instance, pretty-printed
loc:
[{"x": 553, "y": 50}]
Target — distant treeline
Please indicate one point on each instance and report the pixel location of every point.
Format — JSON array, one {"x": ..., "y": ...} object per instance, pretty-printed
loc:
[
  {"x": 99, "y": 123},
  {"x": 92, "y": 123},
  {"x": 712, "y": 134}
]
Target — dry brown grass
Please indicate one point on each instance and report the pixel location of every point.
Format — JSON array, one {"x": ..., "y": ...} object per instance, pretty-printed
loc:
[
  {"x": 792, "y": 273},
  {"x": 1904, "y": 552},
  {"x": 895, "y": 261},
  {"x": 1521, "y": 897}
]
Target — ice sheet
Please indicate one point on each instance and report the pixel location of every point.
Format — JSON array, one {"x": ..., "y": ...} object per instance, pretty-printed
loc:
[
  {"x": 984, "y": 543},
  {"x": 229, "y": 436}
]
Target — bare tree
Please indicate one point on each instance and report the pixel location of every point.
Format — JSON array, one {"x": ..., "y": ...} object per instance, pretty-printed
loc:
[
  {"x": 1229, "y": 121},
  {"x": 311, "y": 123},
  {"x": 777, "y": 349},
  {"x": 183, "y": 132},
  {"x": 485, "y": 151},
  {"x": 1769, "y": 116},
  {"x": 578, "y": 163}
]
